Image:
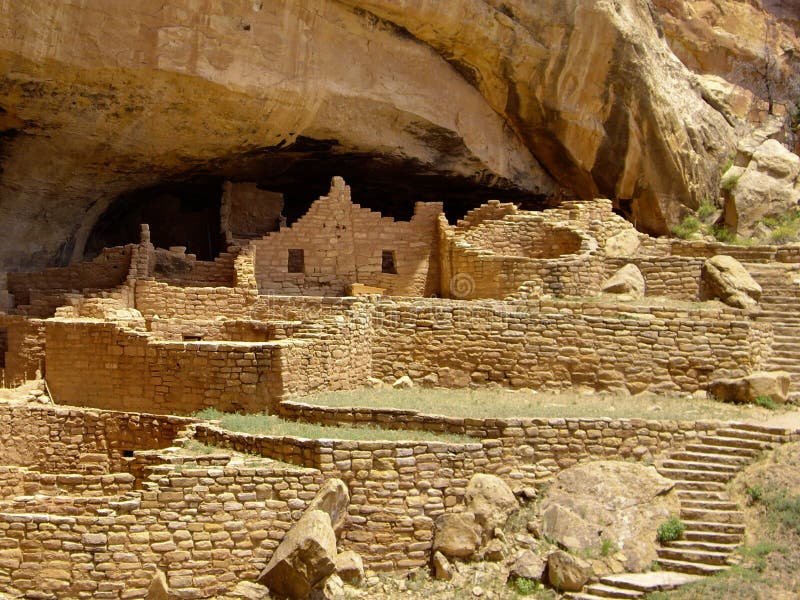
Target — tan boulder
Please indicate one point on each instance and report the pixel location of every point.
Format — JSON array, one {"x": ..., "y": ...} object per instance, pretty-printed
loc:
[
  {"x": 491, "y": 500},
  {"x": 457, "y": 535},
  {"x": 528, "y": 566},
  {"x": 628, "y": 281},
  {"x": 442, "y": 569},
  {"x": 622, "y": 502},
  {"x": 333, "y": 498},
  {"x": 768, "y": 384},
  {"x": 768, "y": 186},
  {"x": 331, "y": 589},
  {"x": 725, "y": 278},
  {"x": 159, "y": 588},
  {"x": 350, "y": 567},
  {"x": 623, "y": 244},
  {"x": 567, "y": 572},
  {"x": 304, "y": 559}
]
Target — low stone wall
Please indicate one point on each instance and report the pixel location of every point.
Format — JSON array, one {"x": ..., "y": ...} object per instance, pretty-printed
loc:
[
  {"x": 560, "y": 344},
  {"x": 186, "y": 270},
  {"x": 667, "y": 276},
  {"x": 195, "y": 303},
  {"x": 206, "y": 527},
  {"x": 20, "y": 481},
  {"x": 763, "y": 253},
  {"x": 398, "y": 488},
  {"x": 53, "y": 439}
]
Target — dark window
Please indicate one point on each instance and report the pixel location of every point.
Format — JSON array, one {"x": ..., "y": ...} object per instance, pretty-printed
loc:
[
  {"x": 296, "y": 261},
  {"x": 388, "y": 264},
  {"x": 3, "y": 346},
  {"x": 192, "y": 338},
  {"x": 127, "y": 453}
]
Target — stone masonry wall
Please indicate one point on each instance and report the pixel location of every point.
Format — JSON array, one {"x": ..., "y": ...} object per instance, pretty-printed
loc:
[
  {"x": 108, "y": 270},
  {"x": 558, "y": 344},
  {"x": 343, "y": 243},
  {"x": 25, "y": 349},
  {"x": 667, "y": 276},
  {"x": 53, "y": 439}
]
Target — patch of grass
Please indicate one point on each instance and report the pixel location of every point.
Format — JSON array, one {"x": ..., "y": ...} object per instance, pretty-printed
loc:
[
  {"x": 754, "y": 493},
  {"x": 670, "y": 530},
  {"x": 706, "y": 209},
  {"x": 726, "y": 165},
  {"x": 722, "y": 234},
  {"x": 607, "y": 547},
  {"x": 757, "y": 554},
  {"x": 504, "y": 403},
  {"x": 783, "y": 509},
  {"x": 735, "y": 582},
  {"x": 525, "y": 587},
  {"x": 767, "y": 402},
  {"x": 198, "y": 448},
  {"x": 264, "y": 424},
  {"x": 729, "y": 184},
  {"x": 687, "y": 227}
]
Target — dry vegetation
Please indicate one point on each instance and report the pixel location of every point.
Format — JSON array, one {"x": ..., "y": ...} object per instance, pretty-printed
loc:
[{"x": 502, "y": 403}]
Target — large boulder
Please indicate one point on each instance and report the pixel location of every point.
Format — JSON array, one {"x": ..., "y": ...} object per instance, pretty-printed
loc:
[
  {"x": 628, "y": 281},
  {"x": 333, "y": 498},
  {"x": 725, "y": 278},
  {"x": 304, "y": 559},
  {"x": 768, "y": 186},
  {"x": 350, "y": 567},
  {"x": 491, "y": 501},
  {"x": 623, "y": 244},
  {"x": 621, "y": 502},
  {"x": 761, "y": 384},
  {"x": 528, "y": 566},
  {"x": 457, "y": 535},
  {"x": 567, "y": 572}
]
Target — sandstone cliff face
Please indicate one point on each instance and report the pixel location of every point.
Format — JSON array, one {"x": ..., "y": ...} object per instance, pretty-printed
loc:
[{"x": 580, "y": 97}]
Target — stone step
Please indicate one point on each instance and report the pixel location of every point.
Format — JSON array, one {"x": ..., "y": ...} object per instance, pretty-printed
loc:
[
  {"x": 701, "y": 496},
  {"x": 712, "y": 527},
  {"x": 711, "y": 515},
  {"x": 748, "y": 453},
  {"x": 689, "y": 567},
  {"x": 611, "y": 591},
  {"x": 707, "y": 457},
  {"x": 698, "y": 545},
  {"x": 748, "y": 434},
  {"x": 691, "y": 475},
  {"x": 698, "y": 486},
  {"x": 696, "y": 556},
  {"x": 581, "y": 596},
  {"x": 654, "y": 581},
  {"x": 707, "y": 504},
  {"x": 712, "y": 537},
  {"x": 778, "y": 431},
  {"x": 699, "y": 466},
  {"x": 736, "y": 442}
]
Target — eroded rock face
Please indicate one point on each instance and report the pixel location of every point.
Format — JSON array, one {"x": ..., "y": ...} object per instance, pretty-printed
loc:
[
  {"x": 541, "y": 97},
  {"x": 616, "y": 501}
]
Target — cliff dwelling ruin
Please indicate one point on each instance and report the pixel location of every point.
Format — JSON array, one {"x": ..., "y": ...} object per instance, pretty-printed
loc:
[{"x": 371, "y": 299}]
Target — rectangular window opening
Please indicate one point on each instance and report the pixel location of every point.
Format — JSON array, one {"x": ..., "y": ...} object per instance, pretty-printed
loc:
[
  {"x": 192, "y": 338},
  {"x": 296, "y": 261},
  {"x": 3, "y": 346},
  {"x": 388, "y": 262}
]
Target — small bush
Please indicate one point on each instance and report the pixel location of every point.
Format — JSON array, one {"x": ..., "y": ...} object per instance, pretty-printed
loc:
[
  {"x": 766, "y": 402},
  {"x": 723, "y": 234},
  {"x": 671, "y": 530},
  {"x": 783, "y": 509},
  {"x": 706, "y": 209},
  {"x": 525, "y": 587},
  {"x": 726, "y": 165},
  {"x": 754, "y": 493},
  {"x": 607, "y": 548},
  {"x": 729, "y": 183},
  {"x": 686, "y": 228}
]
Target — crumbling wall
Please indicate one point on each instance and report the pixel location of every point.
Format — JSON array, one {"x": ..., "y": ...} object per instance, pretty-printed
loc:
[
  {"x": 25, "y": 349},
  {"x": 106, "y": 271},
  {"x": 53, "y": 439},
  {"x": 342, "y": 243}
]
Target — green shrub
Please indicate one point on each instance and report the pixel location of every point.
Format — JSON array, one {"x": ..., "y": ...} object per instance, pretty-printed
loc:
[
  {"x": 607, "y": 548},
  {"x": 726, "y": 165},
  {"x": 754, "y": 493},
  {"x": 783, "y": 509},
  {"x": 723, "y": 234},
  {"x": 706, "y": 209},
  {"x": 671, "y": 530},
  {"x": 686, "y": 228},
  {"x": 766, "y": 402},
  {"x": 729, "y": 183},
  {"x": 525, "y": 587}
]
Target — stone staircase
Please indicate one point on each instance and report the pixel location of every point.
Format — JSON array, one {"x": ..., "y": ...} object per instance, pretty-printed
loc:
[
  {"x": 780, "y": 306},
  {"x": 714, "y": 523}
]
